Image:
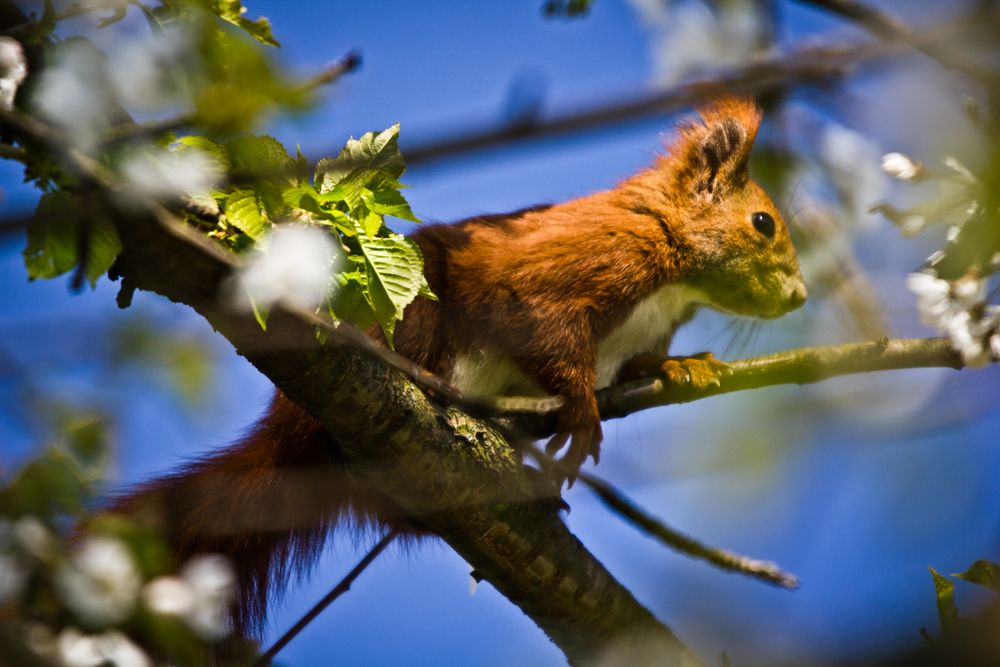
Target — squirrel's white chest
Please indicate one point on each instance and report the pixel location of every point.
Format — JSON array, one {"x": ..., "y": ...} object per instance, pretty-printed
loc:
[{"x": 647, "y": 329}]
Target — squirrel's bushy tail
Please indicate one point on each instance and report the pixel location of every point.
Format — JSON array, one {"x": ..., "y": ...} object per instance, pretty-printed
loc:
[{"x": 268, "y": 503}]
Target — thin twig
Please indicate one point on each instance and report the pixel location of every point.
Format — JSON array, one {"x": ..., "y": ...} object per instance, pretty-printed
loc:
[
  {"x": 345, "y": 64},
  {"x": 624, "y": 507},
  {"x": 778, "y": 72},
  {"x": 891, "y": 29},
  {"x": 342, "y": 587},
  {"x": 125, "y": 132},
  {"x": 620, "y": 504}
]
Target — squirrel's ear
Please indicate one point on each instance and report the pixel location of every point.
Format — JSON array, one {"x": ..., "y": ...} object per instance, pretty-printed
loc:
[{"x": 713, "y": 155}]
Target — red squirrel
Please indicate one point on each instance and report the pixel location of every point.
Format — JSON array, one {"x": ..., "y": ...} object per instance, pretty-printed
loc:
[{"x": 558, "y": 300}]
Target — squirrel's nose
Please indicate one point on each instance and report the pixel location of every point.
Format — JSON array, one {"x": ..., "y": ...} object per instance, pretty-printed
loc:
[{"x": 798, "y": 296}]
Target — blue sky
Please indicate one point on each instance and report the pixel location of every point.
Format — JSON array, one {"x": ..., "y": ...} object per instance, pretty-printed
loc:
[{"x": 857, "y": 485}]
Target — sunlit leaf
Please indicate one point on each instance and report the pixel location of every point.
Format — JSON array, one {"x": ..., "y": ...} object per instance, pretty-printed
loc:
[
  {"x": 983, "y": 573},
  {"x": 243, "y": 210},
  {"x": 947, "y": 611},
  {"x": 234, "y": 12},
  {"x": 374, "y": 158},
  {"x": 396, "y": 276},
  {"x": 261, "y": 157}
]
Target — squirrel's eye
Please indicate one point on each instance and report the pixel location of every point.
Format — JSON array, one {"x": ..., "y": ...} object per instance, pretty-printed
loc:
[{"x": 763, "y": 223}]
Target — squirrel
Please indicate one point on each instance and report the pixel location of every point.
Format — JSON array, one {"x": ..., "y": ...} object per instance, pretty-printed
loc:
[{"x": 552, "y": 300}]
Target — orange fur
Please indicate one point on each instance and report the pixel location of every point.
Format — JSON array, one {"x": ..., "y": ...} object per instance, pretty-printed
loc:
[{"x": 542, "y": 288}]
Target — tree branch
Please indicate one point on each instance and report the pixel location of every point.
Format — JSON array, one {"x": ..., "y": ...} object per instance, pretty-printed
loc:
[
  {"x": 618, "y": 503},
  {"x": 457, "y": 476},
  {"x": 801, "y": 366},
  {"x": 776, "y": 73},
  {"x": 891, "y": 29}
]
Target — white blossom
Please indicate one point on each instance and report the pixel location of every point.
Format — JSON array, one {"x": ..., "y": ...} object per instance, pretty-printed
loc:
[
  {"x": 39, "y": 639},
  {"x": 141, "y": 70},
  {"x": 162, "y": 174},
  {"x": 33, "y": 537},
  {"x": 13, "y": 70},
  {"x": 74, "y": 95},
  {"x": 967, "y": 337},
  {"x": 957, "y": 310},
  {"x": 901, "y": 166},
  {"x": 78, "y": 650},
  {"x": 690, "y": 38},
  {"x": 169, "y": 595},
  {"x": 101, "y": 581},
  {"x": 110, "y": 648},
  {"x": 912, "y": 224},
  {"x": 933, "y": 298},
  {"x": 956, "y": 166},
  {"x": 214, "y": 584},
  {"x": 995, "y": 345},
  {"x": 968, "y": 291},
  {"x": 297, "y": 266}
]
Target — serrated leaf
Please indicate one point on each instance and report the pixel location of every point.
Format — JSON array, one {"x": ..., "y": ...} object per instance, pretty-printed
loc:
[
  {"x": 243, "y": 211},
  {"x": 391, "y": 202},
  {"x": 395, "y": 277},
  {"x": 261, "y": 157},
  {"x": 983, "y": 573},
  {"x": 372, "y": 158},
  {"x": 944, "y": 588},
  {"x": 232, "y": 11},
  {"x": 54, "y": 239}
]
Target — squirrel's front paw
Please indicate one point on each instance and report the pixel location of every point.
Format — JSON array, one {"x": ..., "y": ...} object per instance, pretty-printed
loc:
[
  {"x": 580, "y": 425},
  {"x": 700, "y": 370}
]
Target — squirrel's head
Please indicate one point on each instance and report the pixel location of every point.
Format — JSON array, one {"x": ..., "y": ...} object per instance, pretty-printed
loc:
[{"x": 737, "y": 243}]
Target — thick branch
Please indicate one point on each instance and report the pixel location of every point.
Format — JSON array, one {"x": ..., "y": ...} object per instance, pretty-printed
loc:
[{"x": 456, "y": 475}]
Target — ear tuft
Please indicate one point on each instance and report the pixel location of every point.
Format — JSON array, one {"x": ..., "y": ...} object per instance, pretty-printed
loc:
[{"x": 713, "y": 155}]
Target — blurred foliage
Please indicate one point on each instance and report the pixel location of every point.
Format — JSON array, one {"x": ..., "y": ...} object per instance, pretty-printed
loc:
[
  {"x": 42, "y": 574},
  {"x": 233, "y": 186}
]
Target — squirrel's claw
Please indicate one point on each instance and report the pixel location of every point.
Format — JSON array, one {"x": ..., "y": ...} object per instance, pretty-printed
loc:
[
  {"x": 700, "y": 370},
  {"x": 583, "y": 443}
]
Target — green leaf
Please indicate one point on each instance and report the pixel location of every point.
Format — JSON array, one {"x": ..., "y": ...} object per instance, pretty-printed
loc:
[
  {"x": 243, "y": 211},
  {"x": 390, "y": 202},
  {"x": 983, "y": 573},
  {"x": 261, "y": 157},
  {"x": 396, "y": 276},
  {"x": 52, "y": 236},
  {"x": 947, "y": 611},
  {"x": 233, "y": 11},
  {"x": 372, "y": 159},
  {"x": 103, "y": 247},
  {"x": 350, "y": 300},
  {"x": 54, "y": 239}
]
